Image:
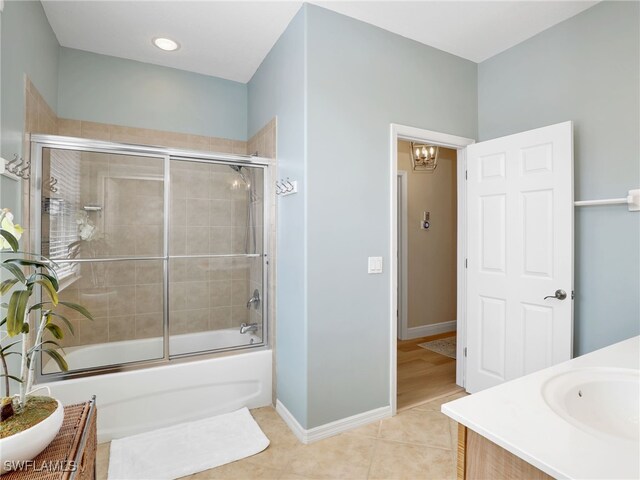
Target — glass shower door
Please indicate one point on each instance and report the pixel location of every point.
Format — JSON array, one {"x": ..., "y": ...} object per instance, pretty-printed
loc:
[
  {"x": 215, "y": 256},
  {"x": 102, "y": 222}
]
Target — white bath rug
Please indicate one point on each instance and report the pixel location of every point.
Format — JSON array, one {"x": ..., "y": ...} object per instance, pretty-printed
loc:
[
  {"x": 444, "y": 346},
  {"x": 187, "y": 448}
]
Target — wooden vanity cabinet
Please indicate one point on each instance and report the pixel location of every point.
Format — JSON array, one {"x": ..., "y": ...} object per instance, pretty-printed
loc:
[{"x": 481, "y": 459}]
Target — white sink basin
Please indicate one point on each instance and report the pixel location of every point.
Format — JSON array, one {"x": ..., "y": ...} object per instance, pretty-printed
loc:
[{"x": 601, "y": 401}]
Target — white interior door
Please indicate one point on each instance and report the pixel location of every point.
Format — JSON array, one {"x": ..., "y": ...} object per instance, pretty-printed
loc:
[{"x": 520, "y": 250}]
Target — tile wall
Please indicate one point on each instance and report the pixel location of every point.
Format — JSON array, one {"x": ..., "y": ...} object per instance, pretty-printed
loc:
[
  {"x": 210, "y": 215},
  {"x": 40, "y": 118},
  {"x": 145, "y": 136},
  {"x": 124, "y": 297}
]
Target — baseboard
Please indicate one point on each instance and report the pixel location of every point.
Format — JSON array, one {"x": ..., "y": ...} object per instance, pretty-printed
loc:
[
  {"x": 329, "y": 429},
  {"x": 433, "y": 329}
]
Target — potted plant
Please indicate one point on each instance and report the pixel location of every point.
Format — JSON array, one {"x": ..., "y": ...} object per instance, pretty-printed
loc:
[{"x": 28, "y": 423}]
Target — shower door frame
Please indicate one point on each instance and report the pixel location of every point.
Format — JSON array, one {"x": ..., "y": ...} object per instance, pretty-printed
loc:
[{"x": 166, "y": 154}]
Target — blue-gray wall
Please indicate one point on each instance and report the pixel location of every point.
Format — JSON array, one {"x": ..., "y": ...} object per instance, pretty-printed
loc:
[
  {"x": 277, "y": 89},
  {"x": 118, "y": 91},
  {"x": 585, "y": 69},
  {"x": 335, "y": 85},
  {"x": 29, "y": 47},
  {"x": 360, "y": 80}
]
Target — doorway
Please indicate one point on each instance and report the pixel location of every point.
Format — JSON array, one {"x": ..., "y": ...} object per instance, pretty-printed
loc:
[
  {"x": 520, "y": 193},
  {"x": 406, "y": 351},
  {"x": 427, "y": 284}
]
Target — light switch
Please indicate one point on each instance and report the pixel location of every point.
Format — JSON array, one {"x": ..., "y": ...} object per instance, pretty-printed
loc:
[{"x": 375, "y": 265}]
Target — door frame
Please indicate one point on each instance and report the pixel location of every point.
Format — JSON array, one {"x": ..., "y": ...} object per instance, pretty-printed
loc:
[
  {"x": 403, "y": 249},
  {"x": 404, "y": 132}
]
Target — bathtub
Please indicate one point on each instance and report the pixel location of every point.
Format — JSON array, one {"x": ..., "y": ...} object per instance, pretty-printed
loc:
[
  {"x": 137, "y": 401},
  {"x": 127, "y": 351}
]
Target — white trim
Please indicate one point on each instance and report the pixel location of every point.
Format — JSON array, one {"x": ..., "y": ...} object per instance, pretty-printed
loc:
[
  {"x": 403, "y": 249},
  {"x": 461, "y": 166},
  {"x": 291, "y": 421},
  {"x": 433, "y": 329},
  {"x": 442, "y": 139},
  {"x": 437, "y": 138},
  {"x": 330, "y": 429}
]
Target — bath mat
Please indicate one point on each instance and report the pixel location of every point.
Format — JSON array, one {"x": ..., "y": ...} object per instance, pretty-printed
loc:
[
  {"x": 444, "y": 346},
  {"x": 187, "y": 448}
]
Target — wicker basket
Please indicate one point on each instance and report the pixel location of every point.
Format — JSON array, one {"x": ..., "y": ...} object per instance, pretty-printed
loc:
[{"x": 72, "y": 454}]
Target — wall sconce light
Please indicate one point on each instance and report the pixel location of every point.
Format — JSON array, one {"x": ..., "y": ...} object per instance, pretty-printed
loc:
[{"x": 424, "y": 157}]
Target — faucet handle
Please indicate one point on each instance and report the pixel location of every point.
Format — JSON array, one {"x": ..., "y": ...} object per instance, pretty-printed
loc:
[{"x": 254, "y": 300}]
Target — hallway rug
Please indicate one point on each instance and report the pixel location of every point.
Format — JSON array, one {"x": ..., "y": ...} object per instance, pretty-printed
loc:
[
  {"x": 443, "y": 346},
  {"x": 186, "y": 448}
]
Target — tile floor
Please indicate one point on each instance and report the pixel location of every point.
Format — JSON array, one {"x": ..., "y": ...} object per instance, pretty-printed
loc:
[{"x": 419, "y": 443}]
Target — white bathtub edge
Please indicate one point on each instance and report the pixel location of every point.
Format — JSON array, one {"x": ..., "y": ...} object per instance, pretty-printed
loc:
[{"x": 140, "y": 400}]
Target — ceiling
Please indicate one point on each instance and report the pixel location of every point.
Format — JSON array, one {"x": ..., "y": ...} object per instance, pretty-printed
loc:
[{"x": 229, "y": 39}]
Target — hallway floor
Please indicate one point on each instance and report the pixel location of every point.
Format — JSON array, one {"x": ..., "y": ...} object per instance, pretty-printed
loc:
[
  {"x": 423, "y": 374},
  {"x": 418, "y": 443}
]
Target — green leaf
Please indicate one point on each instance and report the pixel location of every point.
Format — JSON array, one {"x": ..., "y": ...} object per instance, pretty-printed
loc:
[
  {"x": 52, "y": 278},
  {"x": 37, "y": 306},
  {"x": 77, "y": 308},
  {"x": 16, "y": 311},
  {"x": 11, "y": 240},
  {"x": 15, "y": 270},
  {"x": 64, "y": 319},
  {"x": 55, "y": 330},
  {"x": 7, "y": 285},
  {"x": 51, "y": 342},
  {"x": 46, "y": 342},
  {"x": 25, "y": 262},
  {"x": 7, "y": 347},
  {"x": 25, "y": 327},
  {"x": 62, "y": 363},
  {"x": 48, "y": 286},
  {"x": 49, "y": 263},
  {"x": 11, "y": 377},
  {"x": 11, "y": 353}
]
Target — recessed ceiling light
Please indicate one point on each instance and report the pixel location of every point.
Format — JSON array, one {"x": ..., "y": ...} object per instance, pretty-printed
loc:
[{"x": 166, "y": 44}]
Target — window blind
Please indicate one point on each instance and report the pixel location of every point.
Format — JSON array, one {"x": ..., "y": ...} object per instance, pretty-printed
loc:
[{"x": 62, "y": 207}]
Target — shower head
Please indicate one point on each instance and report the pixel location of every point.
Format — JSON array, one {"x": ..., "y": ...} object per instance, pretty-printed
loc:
[{"x": 239, "y": 170}]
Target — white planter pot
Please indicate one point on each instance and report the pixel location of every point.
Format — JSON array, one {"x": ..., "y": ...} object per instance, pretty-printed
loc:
[{"x": 26, "y": 445}]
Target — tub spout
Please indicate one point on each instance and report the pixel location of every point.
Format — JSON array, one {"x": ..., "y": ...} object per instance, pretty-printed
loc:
[{"x": 250, "y": 327}]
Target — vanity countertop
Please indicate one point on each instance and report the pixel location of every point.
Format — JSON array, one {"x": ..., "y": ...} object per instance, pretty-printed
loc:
[{"x": 516, "y": 416}]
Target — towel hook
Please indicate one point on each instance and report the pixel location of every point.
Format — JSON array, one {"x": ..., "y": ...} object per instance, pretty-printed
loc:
[
  {"x": 18, "y": 167},
  {"x": 52, "y": 184}
]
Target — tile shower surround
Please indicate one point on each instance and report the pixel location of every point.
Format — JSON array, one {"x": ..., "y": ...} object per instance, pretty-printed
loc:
[
  {"x": 208, "y": 206},
  {"x": 206, "y": 218}
]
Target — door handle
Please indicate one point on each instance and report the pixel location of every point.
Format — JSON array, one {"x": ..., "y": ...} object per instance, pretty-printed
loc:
[{"x": 559, "y": 294}]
